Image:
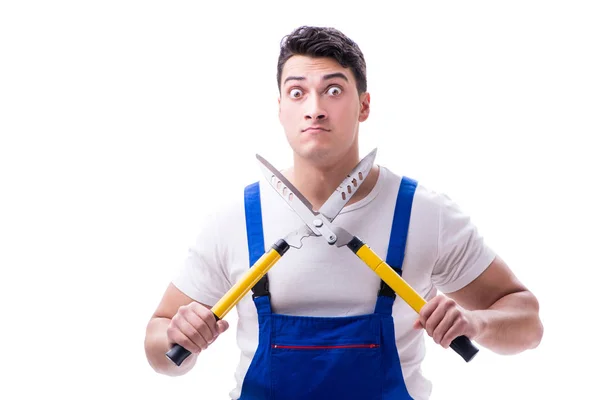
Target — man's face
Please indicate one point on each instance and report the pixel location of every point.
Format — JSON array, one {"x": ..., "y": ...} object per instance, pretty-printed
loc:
[{"x": 320, "y": 108}]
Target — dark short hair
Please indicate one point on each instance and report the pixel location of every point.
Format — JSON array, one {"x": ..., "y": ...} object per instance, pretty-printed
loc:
[{"x": 324, "y": 42}]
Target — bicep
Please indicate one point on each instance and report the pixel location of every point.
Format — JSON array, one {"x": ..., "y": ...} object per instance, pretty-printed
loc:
[
  {"x": 491, "y": 285},
  {"x": 172, "y": 299}
]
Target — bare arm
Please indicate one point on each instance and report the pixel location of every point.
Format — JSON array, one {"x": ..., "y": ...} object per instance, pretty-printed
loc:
[
  {"x": 179, "y": 319},
  {"x": 506, "y": 312},
  {"x": 495, "y": 310}
]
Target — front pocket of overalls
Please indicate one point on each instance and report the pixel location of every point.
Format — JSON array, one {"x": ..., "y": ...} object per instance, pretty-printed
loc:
[{"x": 326, "y": 371}]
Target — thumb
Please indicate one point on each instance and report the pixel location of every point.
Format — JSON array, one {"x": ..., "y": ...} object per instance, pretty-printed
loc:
[{"x": 222, "y": 326}]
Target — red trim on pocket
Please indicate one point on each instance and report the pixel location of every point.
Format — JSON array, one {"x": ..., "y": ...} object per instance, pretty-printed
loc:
[{"x": 347, "y": 346}]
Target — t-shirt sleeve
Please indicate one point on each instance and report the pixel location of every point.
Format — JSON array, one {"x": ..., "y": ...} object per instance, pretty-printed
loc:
[
  {"x": 462, "y": 253},
  {"x": 202, "y": 275}
]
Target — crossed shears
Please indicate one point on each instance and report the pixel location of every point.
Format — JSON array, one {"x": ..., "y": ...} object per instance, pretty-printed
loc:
[{"x": 320, "y": 223}]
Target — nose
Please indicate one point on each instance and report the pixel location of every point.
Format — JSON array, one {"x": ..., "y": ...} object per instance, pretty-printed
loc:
[{"x": 314, "y": 109}]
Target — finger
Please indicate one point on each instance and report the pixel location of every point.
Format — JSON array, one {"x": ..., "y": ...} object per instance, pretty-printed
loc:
[
  {"x": 176, "y": 336},
  {"x": 445, "y": 324},
  {"x": 200, "y": 326},
  {"x": 457, "y": 329},
  {"x": 208, "y": 317},
  {"x": 434, "y": 319},
  {"x": 428, "y": 309},
  {"x": 222, "y": 326},
  {"x": 192, "y": 333}
]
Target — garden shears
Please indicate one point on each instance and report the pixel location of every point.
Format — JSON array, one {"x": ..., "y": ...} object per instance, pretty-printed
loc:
[{"x": 320, "y": 223}]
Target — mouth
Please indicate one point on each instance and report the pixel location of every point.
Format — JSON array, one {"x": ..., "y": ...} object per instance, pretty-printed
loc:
[{"x": 315, "y": 129}]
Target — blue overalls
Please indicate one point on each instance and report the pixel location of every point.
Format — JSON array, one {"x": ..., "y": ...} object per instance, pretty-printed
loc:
[{"x": 351, "y": 357}]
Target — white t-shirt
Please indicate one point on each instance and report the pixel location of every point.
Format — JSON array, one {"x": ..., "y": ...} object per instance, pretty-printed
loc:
[{"x": 444, "y": 251}]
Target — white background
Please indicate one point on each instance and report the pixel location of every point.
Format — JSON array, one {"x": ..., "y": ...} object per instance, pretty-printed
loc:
[{"x": 123, "y": 122}]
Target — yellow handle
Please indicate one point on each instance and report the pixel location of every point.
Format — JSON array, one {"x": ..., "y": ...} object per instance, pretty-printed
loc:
[
  {"x": 391, "y": 277},
  {"x": 250, "y": 278}
]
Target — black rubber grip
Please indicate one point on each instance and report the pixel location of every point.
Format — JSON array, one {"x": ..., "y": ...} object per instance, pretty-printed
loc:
[
  {"x": 464, "y": 347},
  {"x": 178, "y": 353},
  {"x": 281, "y": 247},
  {"x": 355, "y": 244}
]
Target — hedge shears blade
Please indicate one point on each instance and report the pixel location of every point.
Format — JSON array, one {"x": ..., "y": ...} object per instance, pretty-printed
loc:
[{"x": 319, "y": 222}]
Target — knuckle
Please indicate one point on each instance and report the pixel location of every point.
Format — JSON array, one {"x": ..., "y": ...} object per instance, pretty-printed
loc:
[
  {"x": 450, "y": 304},
  {"x": 188, "y": 309},
  {"x": 199, "y": 308},
  {"x": 181, "y": 311},
  {"x": 456, "y": 315},
  {"x": 175, "y": 320},
  {"x": 171, "y": 332}
]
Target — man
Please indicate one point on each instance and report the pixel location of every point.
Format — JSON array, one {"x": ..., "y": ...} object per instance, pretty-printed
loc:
[{"x": 323, "y": 328}]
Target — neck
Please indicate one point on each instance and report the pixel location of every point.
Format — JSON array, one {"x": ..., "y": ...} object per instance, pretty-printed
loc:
[{"x": 318, "y": 182}]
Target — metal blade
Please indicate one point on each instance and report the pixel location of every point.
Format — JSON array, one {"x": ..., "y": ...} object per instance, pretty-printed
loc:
[
  {"x": 344, "y": 192},
  {"x": 289, "y": 193},
  {"x": 294, "y": 239}
]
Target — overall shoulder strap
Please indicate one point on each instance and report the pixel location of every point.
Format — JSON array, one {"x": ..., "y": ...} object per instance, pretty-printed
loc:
[
  {"x": 397, "y": 245},
  {"x": 256, "y": 241}
]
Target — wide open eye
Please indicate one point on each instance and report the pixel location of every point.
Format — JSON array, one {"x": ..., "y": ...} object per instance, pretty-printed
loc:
[
  {"x": 334, "y": 90},
  {"x": 296, "y": 93}
]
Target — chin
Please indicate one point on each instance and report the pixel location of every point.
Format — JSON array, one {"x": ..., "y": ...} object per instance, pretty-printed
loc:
[{"x": 320, "y": 155}]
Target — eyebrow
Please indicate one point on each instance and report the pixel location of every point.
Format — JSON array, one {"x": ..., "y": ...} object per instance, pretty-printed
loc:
[{"x": 325, "y": 77}]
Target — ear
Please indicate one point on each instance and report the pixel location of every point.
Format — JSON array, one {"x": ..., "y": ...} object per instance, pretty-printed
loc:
[{"x": 365, "y": 106}]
